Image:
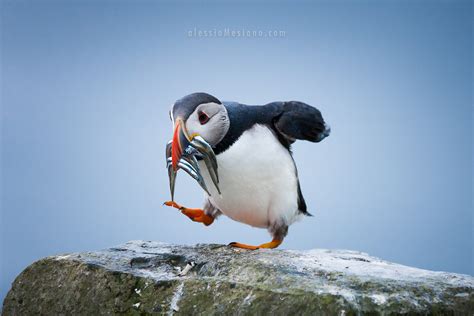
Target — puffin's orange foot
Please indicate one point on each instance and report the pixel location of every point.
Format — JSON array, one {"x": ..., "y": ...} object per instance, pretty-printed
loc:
[
  {"x": 173, "y": 204},
  {"x": 272, "y": 244},
  {"x": 195, "y": 214}
]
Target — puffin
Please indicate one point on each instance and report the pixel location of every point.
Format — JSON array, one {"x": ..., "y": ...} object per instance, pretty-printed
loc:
[{"x": 241, "y": 157}]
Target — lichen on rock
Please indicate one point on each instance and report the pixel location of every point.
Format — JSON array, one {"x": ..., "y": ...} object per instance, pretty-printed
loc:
[{"x": 140, "y": 278}]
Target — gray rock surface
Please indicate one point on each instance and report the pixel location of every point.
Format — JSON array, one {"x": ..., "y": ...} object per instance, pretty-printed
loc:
[{"x": 140, "y": 278}]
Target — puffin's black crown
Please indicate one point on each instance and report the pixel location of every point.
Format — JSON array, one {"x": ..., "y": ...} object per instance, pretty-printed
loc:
[{"x": 186, "y": 105}]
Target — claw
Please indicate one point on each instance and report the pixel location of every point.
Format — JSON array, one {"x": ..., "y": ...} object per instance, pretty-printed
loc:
[{"x": 173, "y": 204}]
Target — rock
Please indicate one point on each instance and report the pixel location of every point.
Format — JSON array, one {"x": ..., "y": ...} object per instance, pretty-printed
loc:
[{"x": 144, "y": 278}]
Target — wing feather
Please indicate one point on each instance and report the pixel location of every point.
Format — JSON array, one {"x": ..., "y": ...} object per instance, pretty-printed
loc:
[{"x": 298, "y": 120}]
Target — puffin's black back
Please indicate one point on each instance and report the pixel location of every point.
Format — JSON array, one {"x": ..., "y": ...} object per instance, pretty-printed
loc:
[{"x": 288, "y": 120}]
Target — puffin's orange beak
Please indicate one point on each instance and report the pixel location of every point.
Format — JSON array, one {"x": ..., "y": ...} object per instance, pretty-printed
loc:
[
  {"x": 180, "y": 142},
  {"x": 176, "y": 148}
]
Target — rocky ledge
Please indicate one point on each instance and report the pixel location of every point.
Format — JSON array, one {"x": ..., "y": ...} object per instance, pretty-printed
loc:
[{"x": 142, "y": 277}]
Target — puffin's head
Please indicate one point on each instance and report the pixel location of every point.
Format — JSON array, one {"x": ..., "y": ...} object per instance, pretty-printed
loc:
[
  {"x": 200, "y": 122},
  {"x": 197, "y": 114}
]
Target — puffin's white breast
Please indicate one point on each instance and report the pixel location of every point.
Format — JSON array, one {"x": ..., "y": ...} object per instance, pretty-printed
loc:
[{"x": 257, "y": 180}]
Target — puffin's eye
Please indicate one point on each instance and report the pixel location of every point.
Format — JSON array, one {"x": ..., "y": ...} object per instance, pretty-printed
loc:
[{"x": 203, "y": 118}]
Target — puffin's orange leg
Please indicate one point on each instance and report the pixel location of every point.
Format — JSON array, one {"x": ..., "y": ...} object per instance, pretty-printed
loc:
[
  {"x": 195, "y": 214},
  {"x": 272, "y": 244}
]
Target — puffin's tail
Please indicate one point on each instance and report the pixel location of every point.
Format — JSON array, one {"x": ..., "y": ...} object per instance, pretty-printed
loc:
[{"x": 301, "y": 202}]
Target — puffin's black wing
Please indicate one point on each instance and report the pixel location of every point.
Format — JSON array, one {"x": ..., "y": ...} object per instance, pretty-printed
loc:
[{"x": 297, "y": 120}]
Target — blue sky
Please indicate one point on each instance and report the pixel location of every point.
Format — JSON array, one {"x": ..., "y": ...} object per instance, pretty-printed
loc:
[{"x": 86, "y": 88}]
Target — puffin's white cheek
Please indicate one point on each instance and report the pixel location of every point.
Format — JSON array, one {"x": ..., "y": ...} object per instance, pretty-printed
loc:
[
  {"x": 193, "y": 127},
  {"x": 208, "y": 136},
  {"x": 212, "y": 132}
]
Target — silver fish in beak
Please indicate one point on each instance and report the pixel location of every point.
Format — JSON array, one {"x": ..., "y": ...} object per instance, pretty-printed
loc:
[
  {"x": 171, "y": 171},
  {"x": 183, "y": 152}
]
